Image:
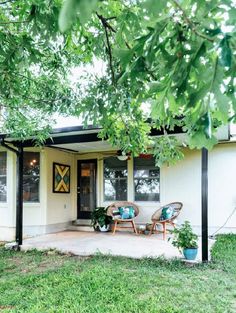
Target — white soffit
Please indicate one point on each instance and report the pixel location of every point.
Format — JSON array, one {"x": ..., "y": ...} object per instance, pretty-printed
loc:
[
  {"x": 222, "y": 134},
  {"x": 95, "y": 146}
]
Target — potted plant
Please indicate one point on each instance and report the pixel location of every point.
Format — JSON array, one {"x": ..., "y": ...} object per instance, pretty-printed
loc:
[
  {"x": 100, "y": 220},
  {"x": 185, "y": 240}
]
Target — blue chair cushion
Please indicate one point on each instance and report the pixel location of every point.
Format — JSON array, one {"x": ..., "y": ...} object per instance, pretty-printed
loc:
[
  {"x": 126, "y": 212},
  {"x": 167, "y": 213}
]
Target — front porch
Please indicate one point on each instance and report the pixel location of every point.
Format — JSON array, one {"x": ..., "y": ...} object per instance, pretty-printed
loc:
[
  {"x": 98, "y": 178},
  {"x": 121, "y": 244}
]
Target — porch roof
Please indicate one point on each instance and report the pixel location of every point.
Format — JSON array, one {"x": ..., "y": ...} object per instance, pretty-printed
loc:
[
  {"x": 79, "y": 138},
  {"x": 85, "y": 139}
]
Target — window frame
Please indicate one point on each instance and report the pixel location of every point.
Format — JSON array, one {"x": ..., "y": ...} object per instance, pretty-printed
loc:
[
  {"x": 5, "y": 175},
  {"x": 146, "y": 178},
  {"x": 31, "y": 202},
  {"x": 115, "y": 179}
]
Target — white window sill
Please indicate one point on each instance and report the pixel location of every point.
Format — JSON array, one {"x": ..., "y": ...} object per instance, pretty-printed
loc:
[{"x": 31, "y": 204}]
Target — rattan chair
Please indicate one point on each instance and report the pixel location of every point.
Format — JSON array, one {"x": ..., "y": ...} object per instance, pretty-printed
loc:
[
  {"x": 177, "y": 206},
  {"x": 115, "y": 206}
]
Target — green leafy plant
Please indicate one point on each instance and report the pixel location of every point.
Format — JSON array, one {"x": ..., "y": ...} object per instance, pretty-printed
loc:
[
  {"x": 184, "y": 237},
  {"x": 169, "y": 66},
  {"x": 100, "y": 218}
]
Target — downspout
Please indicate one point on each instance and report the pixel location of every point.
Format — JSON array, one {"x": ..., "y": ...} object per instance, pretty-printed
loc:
[
  {"x": 204, "y": 205},
  {"x": 19, "y": 191}
]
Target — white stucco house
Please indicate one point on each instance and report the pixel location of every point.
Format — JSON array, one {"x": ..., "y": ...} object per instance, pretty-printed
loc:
[{"x": 94, "y": 176}]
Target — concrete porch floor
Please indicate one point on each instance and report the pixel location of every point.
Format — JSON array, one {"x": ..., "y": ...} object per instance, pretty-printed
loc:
[{"x": 121, "y": 244}]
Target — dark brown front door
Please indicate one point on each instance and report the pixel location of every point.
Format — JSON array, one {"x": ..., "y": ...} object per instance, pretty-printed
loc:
[{"x": 86, "y": 188}]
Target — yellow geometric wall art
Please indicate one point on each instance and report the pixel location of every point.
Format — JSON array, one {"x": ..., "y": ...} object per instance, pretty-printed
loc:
[{"x": 61, "y": 178}]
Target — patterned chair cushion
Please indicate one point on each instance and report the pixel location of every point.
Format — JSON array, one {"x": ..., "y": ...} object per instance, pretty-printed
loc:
[
  {"x": 126, "y": 212},
  {"x": 167, "y": 213}
]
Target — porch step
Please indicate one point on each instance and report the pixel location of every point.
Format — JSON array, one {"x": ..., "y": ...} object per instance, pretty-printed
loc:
[
  {"x": 81, "y": 225},
  {"x": 81, "y": 228},
  {"x": 80, "y": 222}
]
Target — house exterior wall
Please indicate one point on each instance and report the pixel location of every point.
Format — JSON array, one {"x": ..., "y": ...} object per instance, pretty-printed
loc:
[
  {"x": 53, "y": 212},
  {"x": 222, "y": 190},
  {"x": 181, "y": 182},
  {"x": 61, "y": 207}
]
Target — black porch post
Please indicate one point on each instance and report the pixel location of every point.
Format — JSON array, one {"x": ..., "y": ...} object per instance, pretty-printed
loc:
[
  {"x": 19, "y": 197},
  {"x": 204, "y": 205}
]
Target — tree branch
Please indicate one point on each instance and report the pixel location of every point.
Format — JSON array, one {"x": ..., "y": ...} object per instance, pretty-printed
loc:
[
  {"x": 105, "y": 23},
  {"x": 190, "y": 23},
  {"x": 107, "y": 27}
]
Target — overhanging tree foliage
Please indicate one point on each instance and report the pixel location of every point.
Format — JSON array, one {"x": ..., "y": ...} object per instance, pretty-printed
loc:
[
  {"x": 169, "y": 63},
  {"x": 33, "y": 68}
]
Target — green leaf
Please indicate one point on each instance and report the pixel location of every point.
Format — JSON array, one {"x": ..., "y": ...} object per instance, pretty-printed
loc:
[
  {"x": 85, "y": 9},
  {"x": 72, "y": 8},
  {"x": 232, "y": 17},
  {"x": 123, "y": 77},
  {"x": 67, "y": 15},
  {"x": 124, "y": 55},
  {"x": 140, "y": 42},
  {"x": 154, "y": 6},
  {"x": 158, "y": 106},
  {"x": 207, "y": 125},
  {"x": 226, "y": 53},
  {"x": 218, "y": 76},
  {"x": 155, "y": 87},
  {"x": 200, "y": 51},
  {"x": 172, "y": 103},
  {"x": 198, "y": 95},
  {"x": 138, "y": 67},
  {"x": 223, "y": 106},
  {"x": 199, "y": 140},
  {"x": 213, "y": 32},
  {"x": 167, "y": 150}
]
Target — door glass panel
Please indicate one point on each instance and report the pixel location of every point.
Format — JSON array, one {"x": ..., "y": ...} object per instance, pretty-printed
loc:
[{"x": 87, "y": 187}]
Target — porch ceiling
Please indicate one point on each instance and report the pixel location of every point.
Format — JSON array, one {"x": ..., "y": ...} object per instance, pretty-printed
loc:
[{"x": 86, "y": 147}]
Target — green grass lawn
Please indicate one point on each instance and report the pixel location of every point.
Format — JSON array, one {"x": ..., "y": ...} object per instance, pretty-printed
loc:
[{"x": 40, "y": 282}]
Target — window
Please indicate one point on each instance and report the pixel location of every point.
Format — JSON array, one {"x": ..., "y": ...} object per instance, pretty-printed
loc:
[
  {"x": 3, "y": 176},
  {"x": 31, "y": 177},
  {"x": 146, "y": 180},
  {"x": 115, "y": 179}
]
